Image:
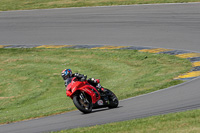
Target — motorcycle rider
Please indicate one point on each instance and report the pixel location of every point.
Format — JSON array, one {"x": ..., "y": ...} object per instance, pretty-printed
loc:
[{"x": 67, "y": 76}]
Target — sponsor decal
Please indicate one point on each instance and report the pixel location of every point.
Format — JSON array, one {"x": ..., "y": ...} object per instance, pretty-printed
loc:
[
  {"x": 73, "y": 89},
  {"x": 100, "y": 102}
]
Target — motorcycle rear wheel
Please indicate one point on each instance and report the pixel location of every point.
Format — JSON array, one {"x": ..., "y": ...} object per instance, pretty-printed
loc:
[
  {"x": 112, "y": 99},
  {"x": 83, "y": 102}
]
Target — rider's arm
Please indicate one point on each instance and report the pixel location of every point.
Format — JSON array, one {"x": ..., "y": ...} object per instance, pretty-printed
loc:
[
  {"x": 79, "y": 76},
  {"x": 67, "y": 81}
]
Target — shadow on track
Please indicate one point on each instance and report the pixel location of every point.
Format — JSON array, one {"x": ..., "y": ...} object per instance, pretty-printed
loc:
[{"x": 102, "y": 109}]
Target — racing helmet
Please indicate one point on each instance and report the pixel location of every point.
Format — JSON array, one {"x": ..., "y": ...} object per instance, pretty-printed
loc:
[{"x": 66, "y": 73}]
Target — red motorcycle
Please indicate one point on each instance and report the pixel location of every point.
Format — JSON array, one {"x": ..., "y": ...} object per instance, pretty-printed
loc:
[{"x": 86, "y": 97}]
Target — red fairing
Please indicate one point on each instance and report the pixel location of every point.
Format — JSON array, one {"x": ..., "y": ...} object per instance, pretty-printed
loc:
[{"x": 84, "y": 86}]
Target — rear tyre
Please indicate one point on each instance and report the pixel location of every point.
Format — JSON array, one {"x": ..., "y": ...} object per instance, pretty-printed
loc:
[
  {"x": 83, "y": 102},
  {"x": 112, "y": 99}
]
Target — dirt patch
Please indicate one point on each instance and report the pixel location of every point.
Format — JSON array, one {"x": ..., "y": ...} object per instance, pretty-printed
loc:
[
  {"x": 6, "y": 97},
  {"x": 11, "y": 60}
]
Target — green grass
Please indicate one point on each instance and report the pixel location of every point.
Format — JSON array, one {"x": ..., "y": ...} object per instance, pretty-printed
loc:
[
  {"x": 183, "y": 122},
  {"x": 31, "y": 84},
  {"x": 6, "y": 5}
]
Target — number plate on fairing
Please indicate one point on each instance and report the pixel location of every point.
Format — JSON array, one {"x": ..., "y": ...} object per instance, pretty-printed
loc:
[{"x": 100, "y": 102}]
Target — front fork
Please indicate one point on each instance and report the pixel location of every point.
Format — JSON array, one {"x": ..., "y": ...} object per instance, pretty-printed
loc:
[{"x": 83, "y": 97}]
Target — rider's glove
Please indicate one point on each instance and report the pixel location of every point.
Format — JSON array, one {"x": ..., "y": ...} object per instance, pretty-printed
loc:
[{"x": 76, "y": 74}]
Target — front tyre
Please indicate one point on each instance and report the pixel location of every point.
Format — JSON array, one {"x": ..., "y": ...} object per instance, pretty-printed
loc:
[{"x": 83, "y": 102}]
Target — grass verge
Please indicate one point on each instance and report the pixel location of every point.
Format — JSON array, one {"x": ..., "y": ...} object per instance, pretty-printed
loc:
[
  {"x": 183, "y": 122},
  {"x": 31, "y": 84},
  {"x": 6, "y": 5}
]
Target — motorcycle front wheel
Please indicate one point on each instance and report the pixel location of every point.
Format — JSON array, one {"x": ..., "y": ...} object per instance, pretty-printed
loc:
[{"x": 83, "y": 102}]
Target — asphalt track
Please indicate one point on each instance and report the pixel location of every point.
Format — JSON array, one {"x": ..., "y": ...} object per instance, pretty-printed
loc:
[
  {"x": 169, "y": 26},
  {"x": 175, "y": 26}
]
